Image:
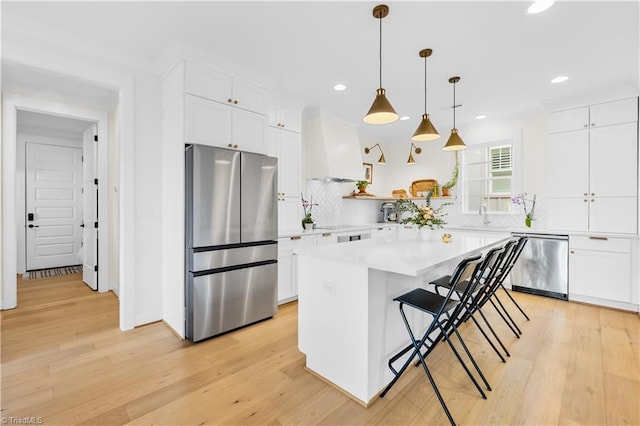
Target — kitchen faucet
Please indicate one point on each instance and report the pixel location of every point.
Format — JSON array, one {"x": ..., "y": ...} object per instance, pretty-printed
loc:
[{"x": 483, "y": 211}]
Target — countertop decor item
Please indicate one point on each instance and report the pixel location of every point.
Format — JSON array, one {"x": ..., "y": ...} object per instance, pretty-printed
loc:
[
  {"x": 422, "y": 185},
  {"x": 423, "y": 215},
  {"x": 307, "y": 206},
  {"x": 520, "y": 199}
]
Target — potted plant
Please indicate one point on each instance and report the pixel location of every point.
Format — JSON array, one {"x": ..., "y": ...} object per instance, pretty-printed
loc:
[
  {"x": 454, "y": 178},
  {"x": 362, "y": 186},
  {"x": 307, "y": 206}
]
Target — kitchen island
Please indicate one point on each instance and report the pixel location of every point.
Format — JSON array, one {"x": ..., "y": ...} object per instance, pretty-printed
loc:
[{"x": 348, "y": 324}]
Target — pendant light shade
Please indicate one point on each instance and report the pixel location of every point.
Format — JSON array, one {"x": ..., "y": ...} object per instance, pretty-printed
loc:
[
  {"x": 381, "y": 111},
  {"x": 426, "y": 131},
  {"x": 455, "y": 142},
  {"x": 381, "y": 160}
]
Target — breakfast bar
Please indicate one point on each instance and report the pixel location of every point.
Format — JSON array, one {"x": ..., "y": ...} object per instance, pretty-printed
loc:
[{"x": 348, "y": 324}]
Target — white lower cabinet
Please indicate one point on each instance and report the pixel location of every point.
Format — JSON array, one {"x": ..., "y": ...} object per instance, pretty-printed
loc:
[
  {"x": 327, "y": 238},
  {"x": 600, "y": 268},
  {"x": 287, "y": 273}
]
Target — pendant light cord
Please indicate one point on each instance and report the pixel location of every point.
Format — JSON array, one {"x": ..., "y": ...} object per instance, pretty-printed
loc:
[
  {"x": 425, "y": 85},
  {"x": 380, "y": 51},
  {"x": 454, "y": 104}
]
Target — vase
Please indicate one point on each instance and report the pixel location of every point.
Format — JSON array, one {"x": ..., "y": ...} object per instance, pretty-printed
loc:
[
  {"x": 426, "y": 234},
  {"x": 308, "y": 225}
]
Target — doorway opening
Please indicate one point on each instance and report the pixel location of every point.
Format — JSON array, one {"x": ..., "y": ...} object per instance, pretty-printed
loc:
[{"x": 58, "y": 192}]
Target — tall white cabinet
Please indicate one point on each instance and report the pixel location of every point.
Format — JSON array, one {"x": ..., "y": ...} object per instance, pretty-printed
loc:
[
  {"x": 593, "y": 168},
  {"x": 219, "y": 109},
  {"x": 593, "y": 194},
  {"x": 284, "y": 142}
]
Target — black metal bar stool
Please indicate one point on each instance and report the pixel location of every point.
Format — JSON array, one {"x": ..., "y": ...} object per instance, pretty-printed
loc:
[{"x": 444, "y": 311}]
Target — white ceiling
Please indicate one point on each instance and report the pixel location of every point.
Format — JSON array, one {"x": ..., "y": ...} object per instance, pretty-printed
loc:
[{"x": 505, "y": 57}]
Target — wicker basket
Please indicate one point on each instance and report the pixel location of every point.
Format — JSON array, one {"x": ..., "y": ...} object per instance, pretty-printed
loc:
[
  {"x": 399, "y": 193},
  {"x": 423, "y": 185}
]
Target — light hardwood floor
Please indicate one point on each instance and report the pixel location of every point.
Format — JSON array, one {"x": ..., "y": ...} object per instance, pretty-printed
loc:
[{"x": 65, "y": 361}]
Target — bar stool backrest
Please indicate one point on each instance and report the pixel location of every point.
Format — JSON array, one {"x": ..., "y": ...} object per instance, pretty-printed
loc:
[{"x": 467, "y": 270}]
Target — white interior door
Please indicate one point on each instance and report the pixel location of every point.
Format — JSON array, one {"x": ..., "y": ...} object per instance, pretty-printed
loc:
[
  {"x": 53, "y": 205},
  {"x": 90, "y": 208}
]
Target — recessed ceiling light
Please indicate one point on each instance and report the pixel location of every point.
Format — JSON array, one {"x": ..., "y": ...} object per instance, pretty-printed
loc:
[
  {"x": 539, "y": 6},
  {"x": 404, "y": 117},
  {"x": 481, "y": 116},
  {"x": 560, "y": 79},
  {"x": 339, "y": 87}
]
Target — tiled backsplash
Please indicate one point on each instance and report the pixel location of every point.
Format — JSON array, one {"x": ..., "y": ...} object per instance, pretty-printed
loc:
[{"x": 334, "y": 210}]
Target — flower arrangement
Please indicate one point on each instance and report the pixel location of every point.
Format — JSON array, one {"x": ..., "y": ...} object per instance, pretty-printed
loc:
[
  {"x": 423, "y": 215},
  {"x": 307, "y": 206},
  {"x": 520, "y": 199}
]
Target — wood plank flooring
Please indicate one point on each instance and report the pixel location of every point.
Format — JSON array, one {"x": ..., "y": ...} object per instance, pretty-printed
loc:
[{"x": 64, "y": 361}]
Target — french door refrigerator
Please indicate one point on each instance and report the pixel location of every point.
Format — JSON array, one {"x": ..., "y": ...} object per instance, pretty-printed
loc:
[{"x": 231, "y": 248}]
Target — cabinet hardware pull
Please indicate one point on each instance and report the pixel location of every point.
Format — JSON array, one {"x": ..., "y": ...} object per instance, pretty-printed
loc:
[
  {"x": 326, "y": 234},
  {"x": 599, "y": 238},
  {"x": 593, "y": 194},
  {"x": 593, "y": 201},
  {"x": 229, "y": 100},
  {"x": 235, "y": 102},
  {"x": 586, "y": 125},
  {"x": 593, "y": 124},
  {"x": 584, "y": 200},
  {"x": 572, "y": 252},
  {"x": 297, "y": 237},
  {"x": 282, "y": 124},
  {"x": 585, "y": 194}
]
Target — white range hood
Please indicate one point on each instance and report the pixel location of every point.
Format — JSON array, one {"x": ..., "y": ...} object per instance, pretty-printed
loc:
[{"x": 331, "y": 148}]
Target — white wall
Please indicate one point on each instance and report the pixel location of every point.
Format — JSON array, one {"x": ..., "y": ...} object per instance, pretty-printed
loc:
[
  {"x": 23, "y": 138},
  {"x": 32, "y": 45},
  {"x": 114, "y": 200}
]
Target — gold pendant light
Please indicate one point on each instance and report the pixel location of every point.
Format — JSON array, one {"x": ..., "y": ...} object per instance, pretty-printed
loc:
[
  {"x": 411, "y": 149},
  {"x": 455, "y": 142},
  {"x": 426, "y": 130},
  {"x": 381, "y": 111},
  {"x": 381, "y": 160}
]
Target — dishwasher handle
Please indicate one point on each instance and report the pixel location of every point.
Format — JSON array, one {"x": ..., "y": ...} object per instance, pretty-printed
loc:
[{"x": 541, "y": 236}]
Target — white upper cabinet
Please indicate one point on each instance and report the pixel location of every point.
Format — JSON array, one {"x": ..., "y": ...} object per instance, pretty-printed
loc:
[
  {"x": 572, "y": 119},
  {"x": 285, "y": 118},
  {"x": 214, "y": 124},
  {"x": 605, "y": 114},
  {"x": 592, "y": 168},
  {"x": 225, "y": 88}
]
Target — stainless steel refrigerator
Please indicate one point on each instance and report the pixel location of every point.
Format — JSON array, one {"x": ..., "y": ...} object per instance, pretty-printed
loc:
[{"x": 231, "y": 248}]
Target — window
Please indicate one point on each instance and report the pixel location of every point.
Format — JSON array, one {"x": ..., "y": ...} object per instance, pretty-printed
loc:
[{"x": 488, "y": 177}]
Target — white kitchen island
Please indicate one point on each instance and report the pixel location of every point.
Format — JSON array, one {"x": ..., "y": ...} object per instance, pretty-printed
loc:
[{"x": 348, "y": 324}]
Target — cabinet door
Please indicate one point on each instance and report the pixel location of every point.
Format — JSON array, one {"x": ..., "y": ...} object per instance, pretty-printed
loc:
[
  {"x": 285, "y": 277},
  {"x": 568, "y": 164},
  {"x": 572, "y": 119},
  {"x": 569, "y": 214},
  {"x": 613, "y": 214},
  {"x": 207, "y": 122},
  {"x": 208, "y": 83},
  {"x": 601, "y": 274},
  {"x": 614, "y": 161},
  {"x": 289, "y": 163},
  {"x": 249, "y": 131},
  {"x": 617, "y": 112},
  {"x": 327, "y": 238},
  {"x": 285, "y": 118},
  {"x": 249, "y": 96},
  {"x": 289, "y": 213}
]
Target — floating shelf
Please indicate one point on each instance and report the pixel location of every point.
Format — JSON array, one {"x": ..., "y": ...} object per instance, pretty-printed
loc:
[{"x": 370, "y": 197}]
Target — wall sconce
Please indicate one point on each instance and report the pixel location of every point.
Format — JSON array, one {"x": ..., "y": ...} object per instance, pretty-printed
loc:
[
  {"x": 381, "y": 160},
  {"x": 411, "y": 150}
]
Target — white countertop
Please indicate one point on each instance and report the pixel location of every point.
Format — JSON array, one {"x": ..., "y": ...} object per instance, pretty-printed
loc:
[{"x": 404, "y": 254}]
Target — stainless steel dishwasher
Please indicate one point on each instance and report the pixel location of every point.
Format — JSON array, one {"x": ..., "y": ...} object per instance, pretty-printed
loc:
[{"x": 543, "y": 266}]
